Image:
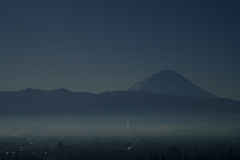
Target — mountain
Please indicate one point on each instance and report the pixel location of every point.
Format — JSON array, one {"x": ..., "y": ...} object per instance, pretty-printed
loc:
[
  {"x": 61, "y": 95},
  {"x": 164, "y": 93},
  {"x": 116, "y": 105},
  {"x": 171, "y": 83},
  {"x": 62, "y": 102}
]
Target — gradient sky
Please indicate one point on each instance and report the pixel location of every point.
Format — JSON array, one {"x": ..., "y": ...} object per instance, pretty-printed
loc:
[{"x": 106, "y": 45}]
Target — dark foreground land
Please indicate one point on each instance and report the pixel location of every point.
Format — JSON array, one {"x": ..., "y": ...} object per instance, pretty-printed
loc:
[{"x": 116, "y": 148}]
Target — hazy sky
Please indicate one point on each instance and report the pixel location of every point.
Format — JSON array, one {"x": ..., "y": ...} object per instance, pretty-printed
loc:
[{"x": 106, "y": 45}]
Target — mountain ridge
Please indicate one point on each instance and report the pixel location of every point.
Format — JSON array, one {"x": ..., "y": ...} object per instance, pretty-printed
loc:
[
  {"x": 132, "y": 101},
  {"x": 118, "y": 103}
]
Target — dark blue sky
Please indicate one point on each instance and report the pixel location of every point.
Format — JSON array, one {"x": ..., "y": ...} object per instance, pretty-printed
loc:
[{"x": 106, "y": 45}]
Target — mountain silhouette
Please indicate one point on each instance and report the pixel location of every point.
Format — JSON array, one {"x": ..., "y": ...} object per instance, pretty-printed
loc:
[
  {"x": 171, "y": 83},
  {"x": 62, "y": 102},
  {"x": 59, "y": 95},
  {"x": 164, "y": 93}
]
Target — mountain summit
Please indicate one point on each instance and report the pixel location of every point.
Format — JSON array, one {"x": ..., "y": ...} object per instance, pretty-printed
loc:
[{"x": 171, "y": 83}]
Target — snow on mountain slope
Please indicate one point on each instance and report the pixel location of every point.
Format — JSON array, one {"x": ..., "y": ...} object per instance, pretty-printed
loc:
[{"x": 171, "y": 83}]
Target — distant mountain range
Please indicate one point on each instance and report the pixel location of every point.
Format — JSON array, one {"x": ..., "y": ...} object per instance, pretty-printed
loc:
[
  {"x": 163, "y": 93},
  {"x": 171, "y": 83}
]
